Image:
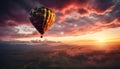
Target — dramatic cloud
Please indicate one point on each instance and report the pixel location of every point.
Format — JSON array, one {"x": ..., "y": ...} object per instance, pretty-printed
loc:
[
  {"x": 101, "y": 5},
  {"x": 13, "y": 12},
  {"x": 78, "y": 16},
  {"x": 82, "y": 11}
]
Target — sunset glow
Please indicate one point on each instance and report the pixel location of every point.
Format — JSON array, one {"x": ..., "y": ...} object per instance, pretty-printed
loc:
[
  {"x": 98, "y": 37},
  {"x": 85, "y": 34},
  {"x": 87, "y": 22}
]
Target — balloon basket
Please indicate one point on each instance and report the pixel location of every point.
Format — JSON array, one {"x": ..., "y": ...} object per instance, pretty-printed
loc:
[{"x": 41, "y": 36}]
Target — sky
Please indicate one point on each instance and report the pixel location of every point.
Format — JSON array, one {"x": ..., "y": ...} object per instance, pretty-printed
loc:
[
  {"x": 86, "y": 34},
  {"x": 76, "y": 20}
]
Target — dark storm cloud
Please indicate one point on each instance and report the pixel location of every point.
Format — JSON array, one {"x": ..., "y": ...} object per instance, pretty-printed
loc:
[
  {"x": 16, "y": 17},
  {"x": 97, "y": 5},
  {"x": 7, "y": 5},
  {"x": 116, "y": 10},
  {"x": 92, "y": 21},
  {"x": 82, "y": 11},
  {"x": 58, "y": 4},
  {"x": 72, "y": 16},
  {"x": 15, "y": 10},
  {"x": 101, "y": 5}
]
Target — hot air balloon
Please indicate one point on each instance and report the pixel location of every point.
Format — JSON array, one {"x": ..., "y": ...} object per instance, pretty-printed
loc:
[{"x": 42, "y": 18}]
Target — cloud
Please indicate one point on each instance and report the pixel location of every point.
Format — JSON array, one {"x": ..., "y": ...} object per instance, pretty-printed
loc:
[
  {"x": 89, "y": 56},
  {"x": 57, "y": 4},
  {"x": 72, "y": 17},
  {"x": 82, "y": 11},
  {"x": 72, "y": 55},
  {"x": 91, "y": 21},
  {"x": 11, "y": 33},
  {"x": 101, "y": 5},
  {"x": 7, "y": 31},
  {"x": 16, "y": 11}
]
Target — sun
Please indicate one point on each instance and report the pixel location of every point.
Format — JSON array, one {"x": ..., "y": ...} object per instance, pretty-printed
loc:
[{"x": 101, "y": 40}]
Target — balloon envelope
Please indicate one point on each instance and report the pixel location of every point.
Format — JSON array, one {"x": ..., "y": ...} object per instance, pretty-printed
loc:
[{"x": 42, "y": 18}]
